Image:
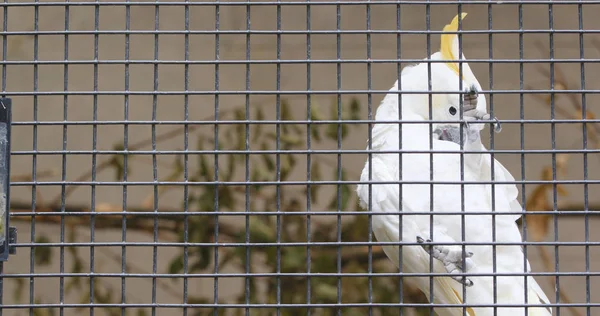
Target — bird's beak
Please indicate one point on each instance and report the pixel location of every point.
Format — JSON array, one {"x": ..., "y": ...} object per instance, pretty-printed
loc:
[{"x": 451, "y": 133}]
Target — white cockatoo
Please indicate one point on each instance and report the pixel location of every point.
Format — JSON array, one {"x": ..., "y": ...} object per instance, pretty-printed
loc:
[{"x": 447, "y": 228}]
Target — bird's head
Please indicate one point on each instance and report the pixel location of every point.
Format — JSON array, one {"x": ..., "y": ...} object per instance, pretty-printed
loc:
[{"x": 447, "y": 76}]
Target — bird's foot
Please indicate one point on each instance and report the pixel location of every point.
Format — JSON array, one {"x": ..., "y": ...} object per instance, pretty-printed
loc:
[{"x": 451, "y": 258}]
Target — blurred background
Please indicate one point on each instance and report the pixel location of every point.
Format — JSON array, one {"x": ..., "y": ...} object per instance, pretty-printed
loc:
[{"x": 55, "y": 139}]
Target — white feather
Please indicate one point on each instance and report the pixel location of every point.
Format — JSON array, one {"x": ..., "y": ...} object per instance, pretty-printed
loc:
[{"x": 447, "y": 198}]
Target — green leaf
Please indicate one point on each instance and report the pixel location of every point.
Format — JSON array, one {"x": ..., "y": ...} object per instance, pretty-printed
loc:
[
  {"x": 290, "y": 141},
  {"x": 332, "y": 131},
  {"x": 206, "y": 200},
  {"x": 269, "y": 163},
  {"x": 326, "y": 293},
  {"x": 354, "y": 109},
  {"x": 229, "y": 172},
  {"x": 204, "y": 255},
  {"x": 271, "y": 135},
  {"x": 257, "y": 174},
  {"x": 345, "y": 193},
  {"x": 292, "y": 160},
  {"x": 19, "y": 289},
  {"x": 77, "y": 265},
  {"x": 141, "y": 312},
  {"x": 176, "y": 265},
  {"x": 315, "y": 113},
  {"x": 238, "y": 253},
  {"x": 74, "y": 282},
  {"x": 204, "y": 171},
  {"x": 226, "y": 198},
  {"x": 297, "y": 129},
  {"x": 286, "y": 113},
  {"x": 239, "y": 114},
  {"x": 346, "y": 196},
  {"x": 288, "y": 162},
  {"x": 293, "y": 259},
  {"x": 315, "y": 175},
  {"x": 203, "y": 228},
  {"x": 315, "y": 133},
  {"x": 260, "y": 116},
  {"x": 85, "y": 298},
  {"x": 286, "y": 167},
  {"x": 43, "y": 255},
  {"x": 261, "y": 232},
  {"x": 240, "y": 129}
]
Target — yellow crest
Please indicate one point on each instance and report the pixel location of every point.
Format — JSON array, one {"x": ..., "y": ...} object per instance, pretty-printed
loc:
[{"x": 447, "y": 41}]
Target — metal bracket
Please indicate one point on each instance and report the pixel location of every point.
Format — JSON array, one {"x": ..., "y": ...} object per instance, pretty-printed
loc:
[{"x": 8, "y": 235}]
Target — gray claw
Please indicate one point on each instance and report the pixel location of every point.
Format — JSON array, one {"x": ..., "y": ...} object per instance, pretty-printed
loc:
[
  {"x": 450, "y": 258},
  {"x": 470, "y": 98},
  {"x": 497, "y": 126}
]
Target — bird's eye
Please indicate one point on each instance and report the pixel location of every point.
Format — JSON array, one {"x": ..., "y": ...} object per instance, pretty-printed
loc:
[{"x": 452, "y": 110}]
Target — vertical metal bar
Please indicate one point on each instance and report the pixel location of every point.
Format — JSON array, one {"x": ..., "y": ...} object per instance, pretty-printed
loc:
[
  {"x": 400, "y": 166},
  {"x": 492, "y": 160},
  {"x": 125, "y": 158},
  {"x": 216, "y": 157},
  {"x": 338, "y": 50},
  {"x": 5, "y": 45},
  {"x": 278, "y": 158},
  {"x": 186, "y": 146},
  {"x": 36, "y": 19},
  {"x": 1, "y": 283},
  {"x": 94, "y": 156},
  {"x": 247, "y": 265},
  {"x": 522, "y": 140},
  {"x": 64, "y": 159},
  {"x": 584, "y": 116},
  {"x": 369, "y": 103},
  {"x": 308, "y": 156},
  {"x": 4, "y": 51},
  {"x": 154, "y": 161},
  {"x": 430, "y": 113},
  {"x": 370, "y": 127},
  {"x": 461, "y": 154},
  {"x": 553, "y": 143}
]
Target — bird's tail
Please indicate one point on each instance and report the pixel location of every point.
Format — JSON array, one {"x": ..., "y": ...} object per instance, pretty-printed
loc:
[{"x": 444, "y": 293}]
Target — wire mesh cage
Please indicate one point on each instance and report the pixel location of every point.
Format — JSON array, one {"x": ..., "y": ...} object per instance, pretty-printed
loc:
[{"x": 203, "y": 157}]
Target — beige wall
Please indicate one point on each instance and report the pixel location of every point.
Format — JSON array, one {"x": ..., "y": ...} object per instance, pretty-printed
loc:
[{"x": 263, "y": 77}]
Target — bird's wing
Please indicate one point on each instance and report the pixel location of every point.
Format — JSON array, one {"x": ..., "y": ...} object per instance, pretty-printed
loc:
[
  {"x": 415, "y": 198},
  {"x": 511, "y": 233},
  {"x": 385, "y": 198}
]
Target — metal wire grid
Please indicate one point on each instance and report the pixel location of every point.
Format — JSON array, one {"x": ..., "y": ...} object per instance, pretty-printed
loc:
[{"x": 66, "y": 214}]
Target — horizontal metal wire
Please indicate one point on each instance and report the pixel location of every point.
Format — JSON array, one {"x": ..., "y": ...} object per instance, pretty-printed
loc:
[
  {"x": 293, "y": 32},
  {"x": 303, "y": 122},
  {"x": 283, "y": 274},
  {"x": 294, "y": 62},
  {"x": 284, "y": 305},
  {"x": 291, "y": 3},
  {"x": 286, "y": 92},
  {"x": 171, "y": 214},
  {"x": 297, "y": 151},
  {"x": 140, "y": 244},
  {"x": 302, "y": 183}
]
